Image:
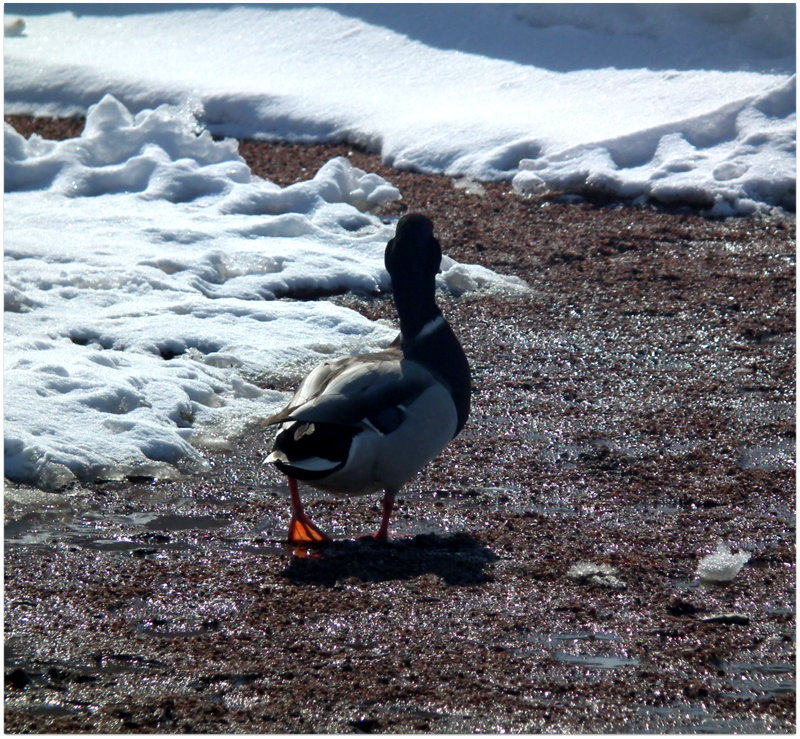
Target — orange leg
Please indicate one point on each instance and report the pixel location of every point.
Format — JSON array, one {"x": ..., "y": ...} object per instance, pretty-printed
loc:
[
  {"x": 388, "y": 507},
  {"x": 301, "y": 529}
]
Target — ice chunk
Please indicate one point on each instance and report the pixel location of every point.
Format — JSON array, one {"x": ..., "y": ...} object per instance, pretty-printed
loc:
[
  {"x": 722, "y": 565},
  {"x": 469, "y": 186},
  {"x": 601, "y": 574},
  {"x": 13, "y": 27}
]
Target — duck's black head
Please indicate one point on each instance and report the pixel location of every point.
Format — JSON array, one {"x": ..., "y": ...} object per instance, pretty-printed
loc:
[
  {"x": 412, "y": 259},
  {"x": 413, "y": 256}
]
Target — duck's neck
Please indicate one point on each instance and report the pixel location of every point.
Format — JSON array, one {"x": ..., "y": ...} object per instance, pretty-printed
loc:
[
  {"x": 428, "y": 339},
  {"x": 418, "y": 312}
]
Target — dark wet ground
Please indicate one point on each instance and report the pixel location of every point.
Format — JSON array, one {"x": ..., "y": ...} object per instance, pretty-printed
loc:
[{"x": 633, "y": 410}]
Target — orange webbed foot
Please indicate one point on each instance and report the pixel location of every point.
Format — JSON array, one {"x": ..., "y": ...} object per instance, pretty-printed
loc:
[
  {"x": 303, "y": 531},
  {"x": 301, "y": 528}
]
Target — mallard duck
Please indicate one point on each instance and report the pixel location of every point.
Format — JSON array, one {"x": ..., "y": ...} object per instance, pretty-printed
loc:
[{"x": 365, "y": 423}]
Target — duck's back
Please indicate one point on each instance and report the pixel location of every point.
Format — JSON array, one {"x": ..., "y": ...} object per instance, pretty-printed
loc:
[{"x": 360, "y": 424}]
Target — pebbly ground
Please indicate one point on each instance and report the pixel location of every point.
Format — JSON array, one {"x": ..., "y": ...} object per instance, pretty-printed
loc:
[{"x": 633, "y": 410}]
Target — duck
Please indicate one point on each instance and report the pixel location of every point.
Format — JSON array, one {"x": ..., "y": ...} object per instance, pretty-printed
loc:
[{"x": 358, "y": 425}]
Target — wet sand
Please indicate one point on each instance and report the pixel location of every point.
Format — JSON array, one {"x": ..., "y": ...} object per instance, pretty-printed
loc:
[{"x": 632, "y": 410}]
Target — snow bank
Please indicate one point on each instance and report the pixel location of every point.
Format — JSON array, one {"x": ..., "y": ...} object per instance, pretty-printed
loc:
[
  {"x": 729, "y": 161},
  {"x": 143, "y": 267},
  {"x": 430, "y": 88}
]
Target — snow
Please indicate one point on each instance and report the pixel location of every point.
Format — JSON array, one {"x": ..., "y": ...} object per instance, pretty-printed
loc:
[
  {"x": 667, "y": 102},
  {"x": 154, "y": 286},
  {"x": 143, "y": 276},
  {"x": 722, "y": 565}
]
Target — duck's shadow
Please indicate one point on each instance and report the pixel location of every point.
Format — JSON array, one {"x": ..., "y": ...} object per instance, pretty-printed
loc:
[{"x": 458, "y": 559}]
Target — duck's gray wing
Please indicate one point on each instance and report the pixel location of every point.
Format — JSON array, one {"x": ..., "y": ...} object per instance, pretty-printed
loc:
[{"x": 356, "y": 389}]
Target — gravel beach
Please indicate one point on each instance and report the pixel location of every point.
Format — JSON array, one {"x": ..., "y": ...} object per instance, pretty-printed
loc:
[{"x": 635, "y": 408}]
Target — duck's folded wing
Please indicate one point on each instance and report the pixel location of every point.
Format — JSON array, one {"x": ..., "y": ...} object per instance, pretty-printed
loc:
[{"x": 362, "y": 390}]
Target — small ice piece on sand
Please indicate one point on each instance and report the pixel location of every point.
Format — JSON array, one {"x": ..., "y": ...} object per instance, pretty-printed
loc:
[
  {"x": 597, "y": 574},
  {"x": 722, "y": 565},
  {"x": 469, "y": 186},
  {"x": 15, "y": 27}
]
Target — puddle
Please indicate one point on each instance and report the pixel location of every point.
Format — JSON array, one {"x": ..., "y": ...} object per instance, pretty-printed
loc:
[
  {"x": 782, "y": 610},
  {"x": 690, "y": 720},
  {"x": 160, "y": 521},
  {"x": 771, "y": 668},
  {"x": 52, "y": 710},
  {"x": 723, "y": 726},
  {"x": 750, "y": 681},
  {"x": 600, "y": 663},
  {"x": 685, "y": 709},
  {"x": 171, "y": 522},
  {"x": 583, "y": 640},
  {"x": 137, "y": 534},
  {"x": 176, "y": 628},
  {"x": 758, "y": 689},
  {"x": 24, "y": 672},
  {"x": 769, "y": 457},
  {"x": 578, "y": 636}
]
